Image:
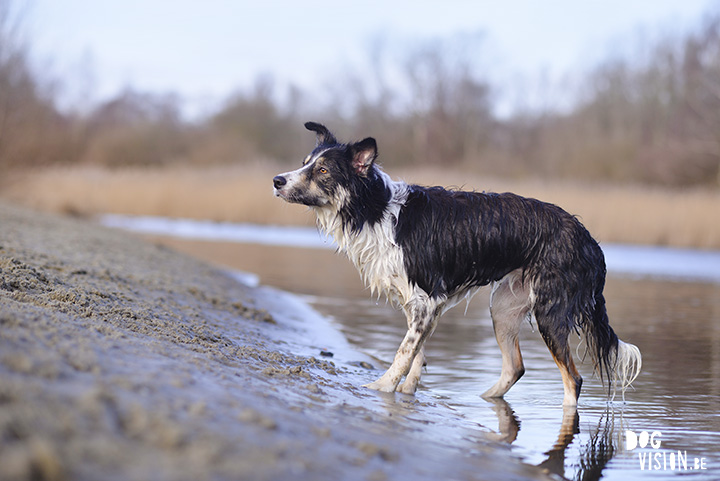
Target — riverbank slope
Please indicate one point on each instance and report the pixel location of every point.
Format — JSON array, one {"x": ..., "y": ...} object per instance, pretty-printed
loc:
[{"x": 124, "y": 360}]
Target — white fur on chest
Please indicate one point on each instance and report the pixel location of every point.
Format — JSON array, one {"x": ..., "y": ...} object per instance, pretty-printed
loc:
[{"x": 373, "y": 250}]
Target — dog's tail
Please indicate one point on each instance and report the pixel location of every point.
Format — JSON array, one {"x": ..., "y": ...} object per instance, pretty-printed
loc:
[{"x": 617, "y": 361}]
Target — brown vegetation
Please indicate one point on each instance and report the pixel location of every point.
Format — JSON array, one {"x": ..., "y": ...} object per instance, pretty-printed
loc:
[
  {"x": 613, "y": 213},
  {"x": 650, "y": 119}
]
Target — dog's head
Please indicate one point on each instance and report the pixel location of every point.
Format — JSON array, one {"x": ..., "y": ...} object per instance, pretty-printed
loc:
[{"x": 329, "y": 172}]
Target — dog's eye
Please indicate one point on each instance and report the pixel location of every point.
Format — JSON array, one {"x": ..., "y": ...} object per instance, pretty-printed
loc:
[{"x": 323, "y": 170}]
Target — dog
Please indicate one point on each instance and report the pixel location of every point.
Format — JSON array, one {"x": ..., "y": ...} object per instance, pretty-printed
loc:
[{"x": 428, "y": 248}]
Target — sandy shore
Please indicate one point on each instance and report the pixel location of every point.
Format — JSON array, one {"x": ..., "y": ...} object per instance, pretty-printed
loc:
[{"x": 122, "y": 360}]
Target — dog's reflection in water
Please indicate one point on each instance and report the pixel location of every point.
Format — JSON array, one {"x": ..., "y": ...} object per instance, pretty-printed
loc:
[{"x": 594, "y": 455}]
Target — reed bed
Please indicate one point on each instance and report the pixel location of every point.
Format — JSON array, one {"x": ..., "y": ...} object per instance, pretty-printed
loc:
[{"x": 613, "y": 213}]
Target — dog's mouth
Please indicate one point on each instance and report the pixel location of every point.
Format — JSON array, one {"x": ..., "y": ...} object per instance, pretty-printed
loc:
[
  {"x": 280, "y": 193},
  {"x": 290, "y": 196},
  {"x": 295, "y": 197}
]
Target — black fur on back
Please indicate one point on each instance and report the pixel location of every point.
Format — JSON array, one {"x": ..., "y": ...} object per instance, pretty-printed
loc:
[{"x": 454, "y": 240}]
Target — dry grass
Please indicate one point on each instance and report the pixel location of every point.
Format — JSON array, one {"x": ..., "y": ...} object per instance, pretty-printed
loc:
[
  {"x": 233, "y": 194},
  {"x": 629, "y": 214}
]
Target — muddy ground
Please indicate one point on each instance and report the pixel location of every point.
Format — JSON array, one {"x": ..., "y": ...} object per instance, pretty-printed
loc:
[{"x": 122, "y": 360}]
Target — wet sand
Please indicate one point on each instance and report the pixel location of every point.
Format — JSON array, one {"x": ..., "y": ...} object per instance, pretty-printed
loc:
[{"x": 124, "y": 360}]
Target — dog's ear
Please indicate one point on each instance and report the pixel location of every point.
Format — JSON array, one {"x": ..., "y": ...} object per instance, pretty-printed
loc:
[
  {"x": 324, "y": 137},
  {"x": 363, "y": 155}
]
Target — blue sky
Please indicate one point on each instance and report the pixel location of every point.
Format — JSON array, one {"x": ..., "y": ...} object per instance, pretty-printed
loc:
[{"x": 205, "y": 50}]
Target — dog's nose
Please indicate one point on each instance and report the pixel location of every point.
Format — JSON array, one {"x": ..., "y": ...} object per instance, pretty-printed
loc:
[{"x": 279, "y": 181}]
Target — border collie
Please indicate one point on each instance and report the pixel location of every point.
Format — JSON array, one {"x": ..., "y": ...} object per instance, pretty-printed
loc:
[{"x": 428, "y": 248}]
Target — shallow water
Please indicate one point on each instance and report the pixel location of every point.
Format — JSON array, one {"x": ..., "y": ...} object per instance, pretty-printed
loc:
[{"x": 675, "y": 324}]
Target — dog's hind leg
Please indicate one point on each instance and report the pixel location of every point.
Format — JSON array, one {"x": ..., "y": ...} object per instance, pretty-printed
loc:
[
  {"x": 555, "y": 335},
  {"x": 509, "y": 307}
]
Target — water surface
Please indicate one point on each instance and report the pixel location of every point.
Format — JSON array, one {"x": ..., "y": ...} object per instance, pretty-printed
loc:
[{"x": 665, "y": 301}]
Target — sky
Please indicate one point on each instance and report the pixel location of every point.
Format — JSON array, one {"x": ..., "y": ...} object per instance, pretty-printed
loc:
[{"x": 204, "y": 50}]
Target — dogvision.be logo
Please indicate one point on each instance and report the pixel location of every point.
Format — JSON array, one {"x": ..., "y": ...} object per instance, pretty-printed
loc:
[{"x": 652, "y": 458}]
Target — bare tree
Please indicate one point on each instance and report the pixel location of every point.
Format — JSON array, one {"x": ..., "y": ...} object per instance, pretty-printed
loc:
[{"x": 31, "y": 131}]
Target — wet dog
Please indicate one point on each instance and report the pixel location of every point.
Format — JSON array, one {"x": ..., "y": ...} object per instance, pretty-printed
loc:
[{"x": 428, "y": 248}]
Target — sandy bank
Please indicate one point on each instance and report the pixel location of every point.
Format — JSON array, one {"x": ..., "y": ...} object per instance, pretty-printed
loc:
[{"x": 123, "y": 360}]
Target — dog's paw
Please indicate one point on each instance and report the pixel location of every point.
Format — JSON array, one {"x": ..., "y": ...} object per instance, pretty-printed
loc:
[
  {"x": 407, "y": 388},
  {"x": 380, "y": 386},
  {"x": 492, "y": 393}
]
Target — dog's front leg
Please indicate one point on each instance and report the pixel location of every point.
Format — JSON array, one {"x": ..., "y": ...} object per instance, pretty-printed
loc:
[
  {"x": 408, "y": 351},
  {"x": 409, "y": 386}
]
